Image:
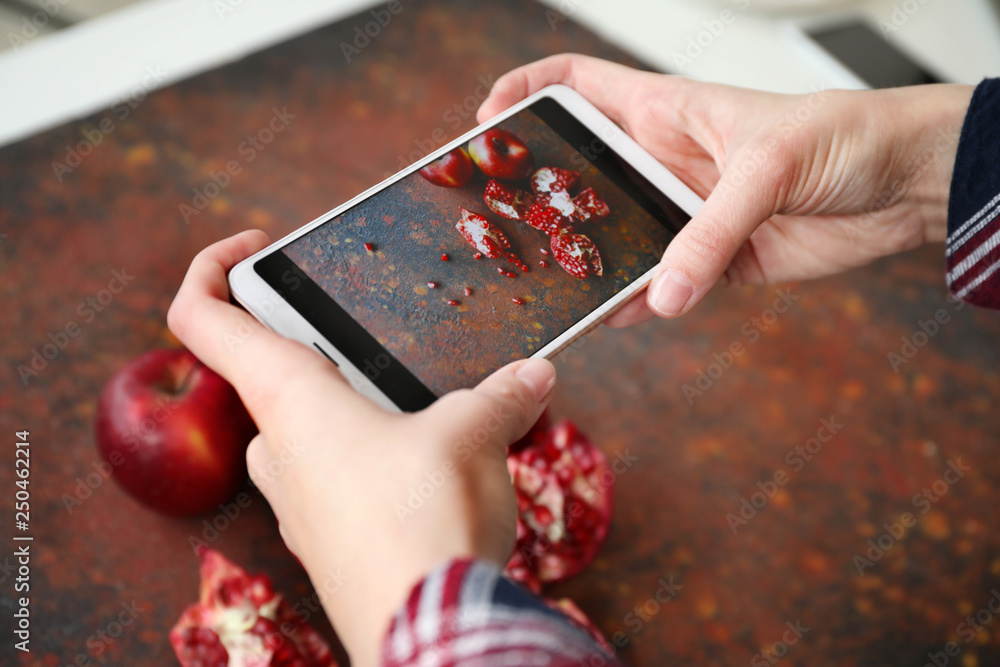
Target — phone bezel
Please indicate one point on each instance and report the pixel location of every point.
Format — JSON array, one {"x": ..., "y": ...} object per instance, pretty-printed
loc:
[{"x": 267, "y": 305}]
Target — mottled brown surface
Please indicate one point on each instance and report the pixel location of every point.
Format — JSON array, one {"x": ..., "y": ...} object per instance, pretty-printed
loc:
[
  {"x": 412, "y": 224},
  {"x": 354, "y": 124}
]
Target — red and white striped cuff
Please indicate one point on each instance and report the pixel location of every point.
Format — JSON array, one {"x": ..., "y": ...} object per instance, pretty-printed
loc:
[
  {"x": 973, "y": 257},
  {"x": 465, "y": 613}
]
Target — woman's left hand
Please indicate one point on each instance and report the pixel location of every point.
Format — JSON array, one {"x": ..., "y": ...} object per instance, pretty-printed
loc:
[{"x": 369, "y": 500}]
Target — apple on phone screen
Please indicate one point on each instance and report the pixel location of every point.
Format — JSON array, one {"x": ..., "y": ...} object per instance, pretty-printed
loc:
[{"x": 509, "y": 242}]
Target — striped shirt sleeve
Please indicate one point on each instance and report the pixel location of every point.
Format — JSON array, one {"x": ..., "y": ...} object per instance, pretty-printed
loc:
[
  {"x": 973, "y": 246},
  {"x": 465, "y": 613}
]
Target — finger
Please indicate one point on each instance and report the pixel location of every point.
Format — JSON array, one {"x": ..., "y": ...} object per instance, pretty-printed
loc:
[
  {"x": 609, "y": 86},
  {"x": 223, "y": 336},
  {"x": 234, "y": 344},
  {"x": 700, "y": 254},
  {"x": 258, "y": 457},
  {"x": 286, "y": 538},
  {"x": 504, "y": 405},
  {"x": 259, "y": 462},
  {"x": 634, "y": 312}
]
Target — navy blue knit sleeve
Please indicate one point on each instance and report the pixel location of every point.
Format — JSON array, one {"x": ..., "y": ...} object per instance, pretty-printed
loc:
[{"x": 973, "y": 247}]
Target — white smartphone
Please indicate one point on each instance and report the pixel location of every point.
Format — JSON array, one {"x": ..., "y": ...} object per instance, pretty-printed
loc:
[{"x": 510, "y": 242}]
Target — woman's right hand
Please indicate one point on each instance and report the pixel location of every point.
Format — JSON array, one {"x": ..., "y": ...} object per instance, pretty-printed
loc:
[{"x": 796, "y": 186}]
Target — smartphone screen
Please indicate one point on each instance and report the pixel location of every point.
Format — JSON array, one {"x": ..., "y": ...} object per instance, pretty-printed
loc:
[
  {"x": 397, "y": 288},
  {"x": 873, "y": 58}
]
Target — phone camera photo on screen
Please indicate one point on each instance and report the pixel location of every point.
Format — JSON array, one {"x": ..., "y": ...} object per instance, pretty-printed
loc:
[{"x": 435, "y": 281}]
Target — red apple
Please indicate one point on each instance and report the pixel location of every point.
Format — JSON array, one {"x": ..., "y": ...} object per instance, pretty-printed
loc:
[
  {"x": 453, "y": 170},
  {"x": 501, "y": 155},
  {"x": 174, "y": 432}
]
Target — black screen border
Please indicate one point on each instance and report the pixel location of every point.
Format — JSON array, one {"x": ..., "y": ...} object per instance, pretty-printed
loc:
[{"x": 362, "y": 350}]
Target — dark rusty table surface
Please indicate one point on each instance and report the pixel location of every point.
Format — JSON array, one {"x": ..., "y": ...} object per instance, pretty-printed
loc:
[{"x": 798, "y": 554}]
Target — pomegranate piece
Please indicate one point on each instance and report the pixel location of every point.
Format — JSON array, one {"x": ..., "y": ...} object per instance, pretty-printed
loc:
[
  {"x": 487, "y": 238},
  {"x": 482, "y": 235},
  {"x": 564, "y": 495},
  {"x": 555, "y": 207},
  {"x": 577, "y": 255},
  {"x": 553, "y": 179},
  {"x": 561, "y": 201},
  {"x": 535, "y": 435},
  {"x": 511, "y": 204},
  {"x": 554, "y": 188},
  {"x": 239, "y": 621},
  {"x": 521, "y": 567},
  {"x": 580, "y": 208},
  {"x": 588, "y": 204},
  {"x": 546, "y": 219},
  {"x": 199, "y": 647},
  {"x": 578, "y": 619}
]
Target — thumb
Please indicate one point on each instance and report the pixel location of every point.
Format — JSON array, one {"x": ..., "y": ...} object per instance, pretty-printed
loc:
[
  {"x": 504, "y": 406},
  {"x": 703, "y": 250}
]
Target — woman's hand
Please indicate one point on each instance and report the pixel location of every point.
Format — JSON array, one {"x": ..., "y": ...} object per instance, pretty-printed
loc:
[
  {"x": 369, "y": 500},
  {"x": 796, "y": 186}
]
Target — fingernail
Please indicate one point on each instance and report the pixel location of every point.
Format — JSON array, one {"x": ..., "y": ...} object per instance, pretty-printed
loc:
[
  {"x": 538, "y": 375},
  {"x": 671, "y": 292}
]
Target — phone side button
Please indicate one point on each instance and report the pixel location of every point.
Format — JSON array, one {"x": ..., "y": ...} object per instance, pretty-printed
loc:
[{"x": 321, "y": 351}]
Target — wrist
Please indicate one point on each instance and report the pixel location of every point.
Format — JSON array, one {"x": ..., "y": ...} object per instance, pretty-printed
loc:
[
  {"x": 929, "y": 125},
  {"x": 362, "y": 583}
]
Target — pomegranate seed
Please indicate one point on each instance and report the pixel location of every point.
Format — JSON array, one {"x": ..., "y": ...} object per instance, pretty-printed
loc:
[
  {"x": 510, "y": 274},
  {"x": 525, "y": 268},
  {"x": 444, "y": 258},
  {"x": 369, "y": 247},
  {"x": 468, "y": 291},
  {"x": 432, "y": 284},
  {"x": 543, "y": 515},
  {"x": 478, "y": 255},
  {"x": 543, "y": 251},
  {"x": 452, "y": 302},
  {"x": 518, "y": 300},
  {"x": 500, "y": 270},
  {"x": 542, "y": 263}
]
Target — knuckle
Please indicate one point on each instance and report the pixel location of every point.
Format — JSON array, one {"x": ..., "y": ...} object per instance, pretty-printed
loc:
[
  {"x": 785, "y": 160},
  {"x": 176, "y": 318},
  {"x": 710, "y": 245}
]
